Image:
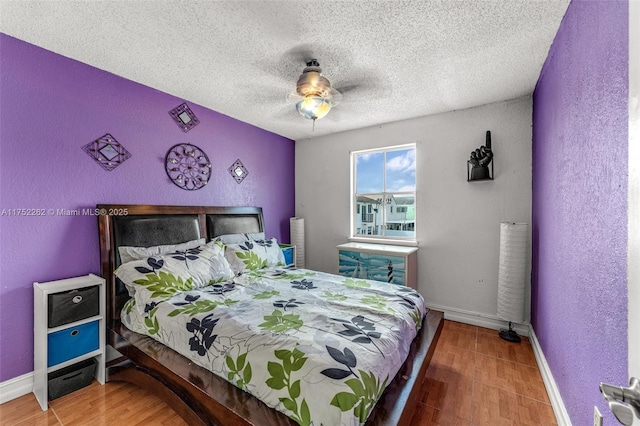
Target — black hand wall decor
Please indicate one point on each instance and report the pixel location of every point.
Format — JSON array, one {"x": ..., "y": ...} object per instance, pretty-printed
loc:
[{"x": 480, "y": 163}]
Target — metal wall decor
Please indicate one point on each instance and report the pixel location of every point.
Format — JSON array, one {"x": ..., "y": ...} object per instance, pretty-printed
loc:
[
  {"x": 480, "y": 164},
  {"x": 107, "y": 152},
  {"x": 184, "y": 117},
  {"x": 238, "y": 171},
  {"x": 187, "y": 166}
]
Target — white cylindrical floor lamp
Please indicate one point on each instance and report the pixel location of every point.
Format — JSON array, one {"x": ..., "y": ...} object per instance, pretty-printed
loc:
[
  {"x": 296, "y": 226},
  {"x": 512, "y": 276}
]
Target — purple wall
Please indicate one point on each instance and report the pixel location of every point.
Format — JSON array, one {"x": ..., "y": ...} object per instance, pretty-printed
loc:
[
  {"x": 579, "y": 287},
  {"x": 50, "y": 107}
]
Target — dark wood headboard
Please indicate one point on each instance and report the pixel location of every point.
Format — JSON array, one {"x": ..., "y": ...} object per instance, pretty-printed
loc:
[{"x": 149, "y": 225}]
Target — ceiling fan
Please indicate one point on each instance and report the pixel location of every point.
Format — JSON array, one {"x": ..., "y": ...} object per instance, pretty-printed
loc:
[{"x": 314, "y": 97}]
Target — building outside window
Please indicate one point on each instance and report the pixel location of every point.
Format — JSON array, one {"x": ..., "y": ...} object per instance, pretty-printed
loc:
[{"x": 384, "y": 193}]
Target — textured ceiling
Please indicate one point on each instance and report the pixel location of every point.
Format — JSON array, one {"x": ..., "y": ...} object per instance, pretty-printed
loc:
[{"x": 394, "y": 60}]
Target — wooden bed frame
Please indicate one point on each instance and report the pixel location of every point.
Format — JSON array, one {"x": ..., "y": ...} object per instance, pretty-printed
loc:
[{"x": 197, "y": 395}]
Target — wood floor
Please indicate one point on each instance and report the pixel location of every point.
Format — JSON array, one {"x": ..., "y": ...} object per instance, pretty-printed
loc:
[{"x": 475, "y": 378}]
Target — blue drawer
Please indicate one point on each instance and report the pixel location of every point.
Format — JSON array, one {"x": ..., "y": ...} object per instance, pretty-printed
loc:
[
  {"x": 287, "y": 250},
  {"x": 72, "y": 342}
]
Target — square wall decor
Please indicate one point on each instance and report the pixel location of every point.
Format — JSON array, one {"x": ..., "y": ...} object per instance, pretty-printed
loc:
[
  {"x": 238, "y": 171},
  {"x": 184, "y": 117},
  {"x": 107, "y": 152}
]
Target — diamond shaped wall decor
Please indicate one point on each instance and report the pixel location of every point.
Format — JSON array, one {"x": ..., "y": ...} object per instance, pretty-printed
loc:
[
  {"x": 184, "y": 117},
  {"x": 107, "y": 152},
  {"x": 238, "y": 171}
]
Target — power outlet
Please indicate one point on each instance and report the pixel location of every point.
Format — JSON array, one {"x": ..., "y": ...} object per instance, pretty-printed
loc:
[{"x": 597, "y": 417}]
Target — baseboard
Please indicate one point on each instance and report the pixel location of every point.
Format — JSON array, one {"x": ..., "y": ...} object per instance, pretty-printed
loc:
[
  {"x": 562, "y": 416},
  {"x": 479, "y": 319},
  {"x": 16, "y": 387}
]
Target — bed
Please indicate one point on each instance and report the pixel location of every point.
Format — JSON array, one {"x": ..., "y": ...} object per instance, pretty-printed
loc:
[{"x": 203, "y": 397}]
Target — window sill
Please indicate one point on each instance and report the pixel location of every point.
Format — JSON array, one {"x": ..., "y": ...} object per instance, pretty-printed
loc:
[{"x": 387, "y": 241}]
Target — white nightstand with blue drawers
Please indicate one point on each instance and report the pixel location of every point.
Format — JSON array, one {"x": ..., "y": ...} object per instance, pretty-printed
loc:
[
  {"x": 380, "y": 262},
  {"x": 69, "y": 335}
]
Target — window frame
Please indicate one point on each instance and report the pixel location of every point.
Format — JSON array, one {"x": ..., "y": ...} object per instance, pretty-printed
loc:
[{"x": 354, "y": 207}]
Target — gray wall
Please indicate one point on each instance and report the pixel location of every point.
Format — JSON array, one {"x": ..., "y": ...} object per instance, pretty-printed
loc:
[{"x": 457, "y": 221}]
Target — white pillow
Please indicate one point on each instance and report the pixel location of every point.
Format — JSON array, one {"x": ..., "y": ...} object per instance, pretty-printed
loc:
[
  {"x": 253, "y": 255},
  {"x": 128, "y": 253},
  {"x": 158, "y": 278},
  {"x": 240, "y": 238}
]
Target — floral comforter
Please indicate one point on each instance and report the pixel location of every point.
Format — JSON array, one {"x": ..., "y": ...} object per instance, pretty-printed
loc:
[{"x": 318, "y": 347}]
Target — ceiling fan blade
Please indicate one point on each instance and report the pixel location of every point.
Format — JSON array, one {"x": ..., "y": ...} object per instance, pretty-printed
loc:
[
  {"x": 300, "y": 55},
  {"x": 286, "y": 113},
  {"x": 290, "y": 64},
  {"x": 332, "y": 59},
  {"x": 350, "y": 88},
  {"x": 264, "y": 92},
  {"x": 337, "y": 115},
  {"x": 363, "y": 82}
]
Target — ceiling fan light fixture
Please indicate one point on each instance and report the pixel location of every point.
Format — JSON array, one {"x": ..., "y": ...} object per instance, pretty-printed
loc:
[
  {"x": 316, "y": 92},
  {"x": 314, "y": 107}
]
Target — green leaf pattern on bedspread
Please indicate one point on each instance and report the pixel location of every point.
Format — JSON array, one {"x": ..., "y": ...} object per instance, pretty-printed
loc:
[
  {"x": 284, "y": 275},
  {"x": 320, "y": 348},
  {"x": 267, "y": 294},
  {"x": 281, "y": 378},
  {"x": 239, "y": 368},
  {"x": 129, "y": 305},
  {"x": 334, "y": 296},
  {"x": 251, "y": 260},
  {"x": 376, "y": 301},
  {"x": 152, "y": 322},
  {"x": 365, "y": 388},
  {"x": 201, "y": 306},
  {"x": 218, "y": 280},
  {"x": 289, "y": 276},
  {"x": 164, "y": 284},
  {"x": 351, "y": 283},
  {"x": 281, "y": 323},
  {"x": 365, "y": 392},
  {"x": 416, "y": 316}
]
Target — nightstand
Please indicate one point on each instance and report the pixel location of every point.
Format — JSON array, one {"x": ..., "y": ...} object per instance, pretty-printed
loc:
[{"x": 69, "y": 335}]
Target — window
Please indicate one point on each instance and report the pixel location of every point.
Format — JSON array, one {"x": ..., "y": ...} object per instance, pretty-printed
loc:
[{"x": 384, "y": 192}]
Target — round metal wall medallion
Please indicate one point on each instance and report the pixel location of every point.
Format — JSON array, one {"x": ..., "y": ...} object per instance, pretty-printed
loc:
[{"x": 188, "y": 166}]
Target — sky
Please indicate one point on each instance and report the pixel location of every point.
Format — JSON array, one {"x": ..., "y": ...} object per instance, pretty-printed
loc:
[{"x": 400, "y": 168}]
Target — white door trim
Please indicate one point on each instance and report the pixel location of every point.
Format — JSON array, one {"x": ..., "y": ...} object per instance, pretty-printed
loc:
[{"x": 633, "y": 212}]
